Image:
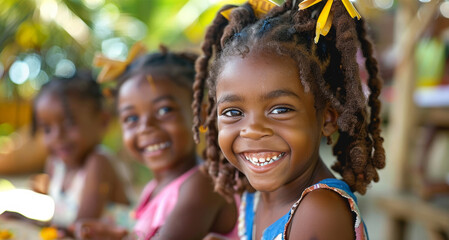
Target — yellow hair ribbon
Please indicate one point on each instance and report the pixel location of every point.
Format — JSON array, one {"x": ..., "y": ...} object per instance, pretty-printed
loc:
[
  {"x": 324, "y": 22},
  {"x": 114, "y": 68},
  {"x": 227, "y": 13},
  {"x": 151, "y": 81},
  {"x": 203, "y": 129},
  {"x": 260, "y": 8}
]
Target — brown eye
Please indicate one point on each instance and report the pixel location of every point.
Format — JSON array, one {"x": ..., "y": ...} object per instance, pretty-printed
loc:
[
  {"x": 131, "y": 119},
  {"x": 281, "y": 110},
  {"x": 232, "y": 113},
  {"x": 164, "y": 110}
]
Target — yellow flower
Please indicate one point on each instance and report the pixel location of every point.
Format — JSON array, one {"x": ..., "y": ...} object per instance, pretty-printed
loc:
[
  {"x": 324, "y": 22},
  {"x": 48, "y": 233},
  {"x": 6, "y": 234}
]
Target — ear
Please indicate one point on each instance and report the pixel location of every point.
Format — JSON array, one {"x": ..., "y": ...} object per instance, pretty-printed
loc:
[{"x": 330, "y": 117}]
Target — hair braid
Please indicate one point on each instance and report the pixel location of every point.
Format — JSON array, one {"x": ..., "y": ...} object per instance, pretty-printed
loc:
[
  {"x": 374, "y": 84},
  {"x": 240, "y": 18},
  {"x": 213, "y": 35}
]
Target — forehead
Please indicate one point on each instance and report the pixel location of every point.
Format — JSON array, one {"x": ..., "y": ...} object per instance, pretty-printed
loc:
[
  {"x": 259, "y": 71},
  {"x": 52, "y": 103},
  {"x": 151, "y": 86}
]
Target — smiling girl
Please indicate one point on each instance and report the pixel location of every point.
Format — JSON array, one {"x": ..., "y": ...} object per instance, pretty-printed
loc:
[
  {"x": 154, "y": 96},
  {"x": 275, "y": 90},
  {"x": 83, "y": 179}
]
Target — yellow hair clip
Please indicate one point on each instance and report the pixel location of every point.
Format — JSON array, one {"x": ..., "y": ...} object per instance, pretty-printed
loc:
[
  {"x": 202, "y": 129},
  {"x": 114, "y": 68},
  {"x": 260, "y": 7},
  {"x": 324, "y": 22}
]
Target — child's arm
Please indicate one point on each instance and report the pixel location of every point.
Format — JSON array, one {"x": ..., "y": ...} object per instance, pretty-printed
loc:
[
  {"x": 97, "y": 187},
  {"x": 95, "y": 229},
  {"x": 41, "y": 182},
  {"x": 196, "y": 213},
  {"x": 323, "y": 214}
]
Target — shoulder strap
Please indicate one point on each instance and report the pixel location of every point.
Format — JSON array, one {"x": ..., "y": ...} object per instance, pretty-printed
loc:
[{"x": 341, "y": 188}]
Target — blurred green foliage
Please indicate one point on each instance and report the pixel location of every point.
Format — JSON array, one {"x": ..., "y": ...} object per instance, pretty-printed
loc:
[{"x": 54, "y": 31}]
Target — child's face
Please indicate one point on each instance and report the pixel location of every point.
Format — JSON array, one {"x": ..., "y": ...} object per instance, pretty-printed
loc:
[
  {"x": 267, "y": 125},
  {"x": 70, "y": 139},
  {"x": 156, "y": 121}
]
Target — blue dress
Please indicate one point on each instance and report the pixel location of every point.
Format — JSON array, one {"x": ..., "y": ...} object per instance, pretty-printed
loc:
[{"x": 278, "y": 230}]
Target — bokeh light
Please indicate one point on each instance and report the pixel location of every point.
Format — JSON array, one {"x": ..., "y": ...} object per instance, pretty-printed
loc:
[
  {"x": 34, "y": 64},
  {"x": 54, "y": 55},
  {"x": 65, "y": 68},
  {"x": 93, "y": 4},
  {"x": 384, "y": 4},
  {"x": 19, "y": 72},
  {"x": 114, "y": 48},
  {"x": 444, "y": 9},
  {"x": 39, "y": 80},
  {"x": 49, "y": 10},
  {"x": 6, "y": 144}
]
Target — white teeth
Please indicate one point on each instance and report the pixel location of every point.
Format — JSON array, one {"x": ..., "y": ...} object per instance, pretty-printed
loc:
[
  {"x": 263, "y": 161},
  {"x": 157, "y": 146}
]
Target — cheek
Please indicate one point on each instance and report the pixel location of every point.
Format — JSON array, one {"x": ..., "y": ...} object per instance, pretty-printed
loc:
[
  {"x": 225, "y": 140},
  {"x": 127, "y": 139}
]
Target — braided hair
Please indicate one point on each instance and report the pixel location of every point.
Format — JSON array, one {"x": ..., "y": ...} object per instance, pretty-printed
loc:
[
  {"x": 178, "y": 67},
  {"x": 81, "y": 86},
  {"x": 328, "y": 69}
]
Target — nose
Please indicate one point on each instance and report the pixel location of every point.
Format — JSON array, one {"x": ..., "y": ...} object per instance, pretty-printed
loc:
[
  {"x": 147, "y": 124},
  {"x": 256, "y": 127},
  {"x": 55, "y": 134}
]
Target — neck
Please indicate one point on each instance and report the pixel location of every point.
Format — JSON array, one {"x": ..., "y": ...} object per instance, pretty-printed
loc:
[
  {"x": 169, "y": 174},
  {"x": 290, "y": 193}
]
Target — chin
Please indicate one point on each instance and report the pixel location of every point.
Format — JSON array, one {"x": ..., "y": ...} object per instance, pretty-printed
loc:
[{"x": 263, "y": 186}]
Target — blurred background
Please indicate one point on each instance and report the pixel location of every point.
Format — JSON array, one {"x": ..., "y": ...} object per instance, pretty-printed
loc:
[{"x": 44, "y": 38}]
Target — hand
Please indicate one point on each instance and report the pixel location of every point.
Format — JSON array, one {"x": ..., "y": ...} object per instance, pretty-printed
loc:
[
  {"x": 214, "y": 236},
  {"x": 95, "y": 229},
  {"x": 40, "y": 183}
]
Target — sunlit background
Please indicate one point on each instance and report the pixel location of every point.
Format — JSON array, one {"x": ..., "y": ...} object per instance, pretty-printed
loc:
[{"x": 40, "y": 39}]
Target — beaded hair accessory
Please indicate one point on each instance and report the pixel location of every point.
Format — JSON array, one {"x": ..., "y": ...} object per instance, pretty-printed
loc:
[
  {"x": 112, "y": 69},
  {"x": 324, "y": 22}
]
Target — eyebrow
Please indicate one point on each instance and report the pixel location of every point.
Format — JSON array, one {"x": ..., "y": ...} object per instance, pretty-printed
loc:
[
  {"x": 280, "y": 93},
  {"x": 158, "y": 99},
  {"x": 270, "y": 95},
  {"x": 229, "y": 98}
]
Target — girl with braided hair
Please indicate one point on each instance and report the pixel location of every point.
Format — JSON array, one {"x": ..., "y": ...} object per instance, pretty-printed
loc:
[
  {"x": 278, "y": 83},
  {"x": 154, "y": 95}
]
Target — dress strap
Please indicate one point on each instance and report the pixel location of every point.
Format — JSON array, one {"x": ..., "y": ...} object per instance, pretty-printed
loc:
[{"x": 344, "y": 191}]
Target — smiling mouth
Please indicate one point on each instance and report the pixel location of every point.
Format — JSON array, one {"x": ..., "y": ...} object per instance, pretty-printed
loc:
[
  {"x": 262, "y": 159},
  {"x": 157, "y": 147}
]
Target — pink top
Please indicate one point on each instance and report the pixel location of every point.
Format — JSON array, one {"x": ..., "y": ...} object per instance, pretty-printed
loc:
[{"x": 152, "y": 213}]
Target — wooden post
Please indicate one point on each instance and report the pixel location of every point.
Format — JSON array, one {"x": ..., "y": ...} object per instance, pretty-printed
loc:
[{"x": 402, "y": 125}]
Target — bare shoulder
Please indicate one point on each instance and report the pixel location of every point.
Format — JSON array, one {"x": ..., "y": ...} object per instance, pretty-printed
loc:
[
  {"x": 323, "y": 214},
  {"x": 97, "y": 161},
  {"x": 200, "y": 207},
  {"x": 203, "y": 187}
]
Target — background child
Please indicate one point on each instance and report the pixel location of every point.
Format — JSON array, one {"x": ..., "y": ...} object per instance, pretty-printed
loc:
[
  {"x": 154, "y": 97},
  {"x": 82, "y": 177},
  {"x": 274, "y": 90}
]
